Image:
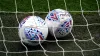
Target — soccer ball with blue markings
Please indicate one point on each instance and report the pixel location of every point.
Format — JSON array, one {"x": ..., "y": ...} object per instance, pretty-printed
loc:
[
  {"x": 32, "y": 30},
  {"x": 59, "y": 22}
]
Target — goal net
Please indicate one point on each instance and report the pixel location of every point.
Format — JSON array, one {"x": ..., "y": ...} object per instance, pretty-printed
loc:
[{"x": 84, "y": 39}]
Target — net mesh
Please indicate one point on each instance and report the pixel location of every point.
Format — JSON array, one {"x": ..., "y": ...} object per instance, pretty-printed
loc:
[{"x": 56, "y": 41}]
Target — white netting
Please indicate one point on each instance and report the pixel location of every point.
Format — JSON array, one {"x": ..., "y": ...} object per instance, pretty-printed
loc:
[{"x": 56, "y": 40}]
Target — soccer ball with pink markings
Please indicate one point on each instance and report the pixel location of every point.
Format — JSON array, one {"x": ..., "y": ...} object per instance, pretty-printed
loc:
[
  {"x": 60, "y": 22},
  {"x": 32, "y": 30}
]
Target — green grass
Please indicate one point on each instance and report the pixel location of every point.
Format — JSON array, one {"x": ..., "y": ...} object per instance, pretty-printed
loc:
[
  {"x": 73, "y": 5},
  {"x": 79, "y": 32},
  {"x": 38, "y": 5},
  {"x": 23, "y": 5},
  {"x": 6, "y": 5},
  {"x": 54, "y": 4},
  {"x": 89, "y": 5}
]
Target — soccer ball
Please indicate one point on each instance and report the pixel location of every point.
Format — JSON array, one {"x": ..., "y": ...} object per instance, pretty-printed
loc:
[
  {"x": 32, "y": 30},
  {"x": 60, "y": 22}
]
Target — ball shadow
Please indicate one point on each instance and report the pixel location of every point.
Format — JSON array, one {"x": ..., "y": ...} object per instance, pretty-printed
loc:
[
  {"x": 30, "y": 48},
  {"x": 67, "y": 37}
]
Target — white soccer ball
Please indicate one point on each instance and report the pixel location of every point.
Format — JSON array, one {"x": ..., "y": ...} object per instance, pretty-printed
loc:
[
  {"x": 60, "y": 22},
  {"x": 32, "y": 30}
]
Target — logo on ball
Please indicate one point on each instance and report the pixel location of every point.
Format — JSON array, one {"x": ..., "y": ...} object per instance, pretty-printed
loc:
[{"x": 33, "y": 34}]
